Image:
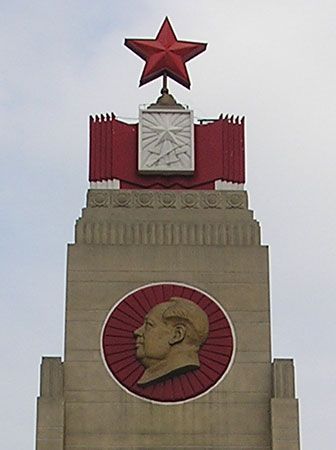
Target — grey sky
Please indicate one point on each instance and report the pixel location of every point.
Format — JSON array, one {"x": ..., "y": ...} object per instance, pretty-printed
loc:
[{"x": 272, "y": 61}]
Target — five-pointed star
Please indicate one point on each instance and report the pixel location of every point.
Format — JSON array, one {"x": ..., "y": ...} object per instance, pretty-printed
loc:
[{"x": 165, "y": 55}]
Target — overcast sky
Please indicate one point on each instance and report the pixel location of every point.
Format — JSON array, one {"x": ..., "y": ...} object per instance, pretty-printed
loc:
[{"x": 271, "y": 61}]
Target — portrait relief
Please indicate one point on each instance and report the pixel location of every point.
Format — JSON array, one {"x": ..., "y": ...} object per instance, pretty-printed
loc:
[{"x": 167, "y": 343}]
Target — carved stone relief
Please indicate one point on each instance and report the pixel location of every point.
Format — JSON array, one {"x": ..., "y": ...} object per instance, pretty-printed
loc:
[
  {"x": 167, "y": 199},
  {"x": 167, "y": 343},
  {"x": 235, "y": 201},
  {"x": 166, "y": 142}
]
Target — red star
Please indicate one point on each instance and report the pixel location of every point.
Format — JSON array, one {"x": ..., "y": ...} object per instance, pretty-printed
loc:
[{"x": 165, "y": 55}]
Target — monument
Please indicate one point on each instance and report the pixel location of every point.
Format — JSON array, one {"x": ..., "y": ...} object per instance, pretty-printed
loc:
[{"x": 167, "y": 330}]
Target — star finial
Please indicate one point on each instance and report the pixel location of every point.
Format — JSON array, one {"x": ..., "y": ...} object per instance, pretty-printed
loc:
[{"x": 165, "y": 55}]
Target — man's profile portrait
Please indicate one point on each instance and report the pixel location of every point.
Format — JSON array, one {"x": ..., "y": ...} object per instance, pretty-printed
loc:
[{"x": 168, "y": 342}]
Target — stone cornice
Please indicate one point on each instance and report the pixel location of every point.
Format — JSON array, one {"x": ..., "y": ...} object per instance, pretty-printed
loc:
[{"x": 166, "y": 199}]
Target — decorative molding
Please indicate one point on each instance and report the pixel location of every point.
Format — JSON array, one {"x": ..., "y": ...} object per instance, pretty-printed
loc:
[
  {"x": 145, "y": 199},
  {"x": 163, "y": 233},
  {"x": 212, "y": 200},
  {"x": 190, "y": 200},
  {"x": 122, "y": 199},
  {"x": 167, "y": 199},
  {"x": 99, "y": 200},
  {"x": 235, "y": 201},
  {"x": 231, "y": 228}
]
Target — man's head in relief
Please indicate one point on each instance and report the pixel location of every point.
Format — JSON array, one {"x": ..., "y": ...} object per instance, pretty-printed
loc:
[{"x": 169, "y": 340}]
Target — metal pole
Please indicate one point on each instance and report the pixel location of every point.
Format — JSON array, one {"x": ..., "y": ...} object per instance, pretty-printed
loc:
[{"x": 164, "y": 89}]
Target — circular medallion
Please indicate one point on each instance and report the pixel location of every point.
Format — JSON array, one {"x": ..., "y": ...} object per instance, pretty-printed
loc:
[
  {"x": 122, "y": 198},
  {"x": 167, "y": 343},
  {"x": 145, "y": 199},
  {"x": 212, "y": 200},
  {"x": 235, "y": 201},
  {"x": 99, "y": 199},
  {"x": 167, "y": 199},
  {"x": 189, "y": 200}
]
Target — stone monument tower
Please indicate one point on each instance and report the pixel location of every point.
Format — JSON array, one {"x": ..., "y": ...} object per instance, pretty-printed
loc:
[{"x": 167, "y": 332}]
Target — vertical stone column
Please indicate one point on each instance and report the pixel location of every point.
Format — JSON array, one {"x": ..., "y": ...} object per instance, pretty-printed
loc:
[
  {"x": 50, "y": 406},
  {"x": 284, "y": 407}
]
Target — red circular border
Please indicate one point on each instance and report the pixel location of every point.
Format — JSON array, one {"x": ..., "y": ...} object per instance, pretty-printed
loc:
[{"x": 118, "y": 344}]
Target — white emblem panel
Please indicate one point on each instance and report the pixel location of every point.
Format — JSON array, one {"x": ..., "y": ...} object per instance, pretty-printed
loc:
[{"x": 166, "y": 142}]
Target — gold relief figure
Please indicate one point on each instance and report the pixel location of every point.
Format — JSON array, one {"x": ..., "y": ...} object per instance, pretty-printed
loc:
[{"x": 168, "y": 342}]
